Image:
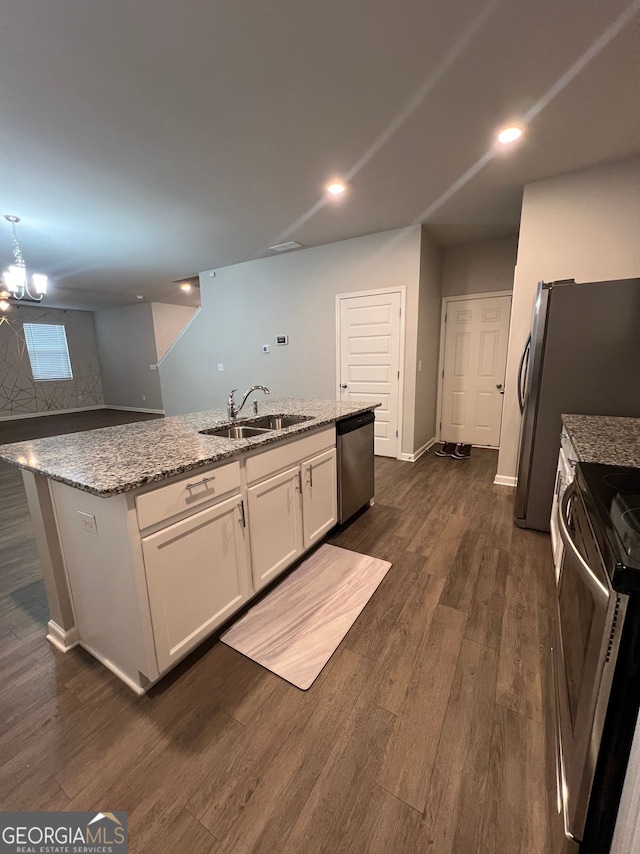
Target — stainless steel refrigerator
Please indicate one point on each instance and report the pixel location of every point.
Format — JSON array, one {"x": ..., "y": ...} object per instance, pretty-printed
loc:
[{"x": 582, "y": 357}]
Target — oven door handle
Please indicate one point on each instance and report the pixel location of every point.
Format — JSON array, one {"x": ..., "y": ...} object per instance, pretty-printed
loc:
[{"x": 592, "y": 581}]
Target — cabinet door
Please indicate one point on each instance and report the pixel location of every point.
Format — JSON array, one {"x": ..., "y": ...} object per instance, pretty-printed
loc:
[
  {"x": 319, "y": 496},
  {"x": 196, "y": 577},
  {"x": 275, "y": 525}
]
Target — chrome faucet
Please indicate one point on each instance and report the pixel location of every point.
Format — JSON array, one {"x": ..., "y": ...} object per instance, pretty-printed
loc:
[{"x": 233, "y": 411}]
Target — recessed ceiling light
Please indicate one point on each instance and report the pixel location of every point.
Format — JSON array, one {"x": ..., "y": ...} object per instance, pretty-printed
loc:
[
  {"x": 185, "y": 286},
  {"x": 139, "y": 296},
  {"x": 510, "y": 134},
  {"x": 336, "y": 188}
]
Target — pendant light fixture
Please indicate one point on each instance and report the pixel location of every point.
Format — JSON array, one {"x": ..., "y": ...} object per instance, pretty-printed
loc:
[{"x": 15, "y": 284}]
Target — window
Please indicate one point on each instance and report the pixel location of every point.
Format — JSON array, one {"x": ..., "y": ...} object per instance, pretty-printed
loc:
[{"x": 48, "y": 351}]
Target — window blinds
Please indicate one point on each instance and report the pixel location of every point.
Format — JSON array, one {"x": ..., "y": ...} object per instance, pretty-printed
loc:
[{"x": 48, "y": 351}]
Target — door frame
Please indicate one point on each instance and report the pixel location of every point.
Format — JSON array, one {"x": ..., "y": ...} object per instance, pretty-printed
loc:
[
  {"x": 443, "y": 314},
  {"x": 402, "y": 290}
]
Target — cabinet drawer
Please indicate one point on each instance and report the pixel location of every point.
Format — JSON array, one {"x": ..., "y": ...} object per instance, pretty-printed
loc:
[
  {"x": 201, "y": 485},
  {"x": 264, "y": 463}
]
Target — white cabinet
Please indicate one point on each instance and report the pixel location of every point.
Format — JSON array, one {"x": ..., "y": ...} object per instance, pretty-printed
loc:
[
  {"x": 196, "y": 577},
  {"x": 289, "y": 512},
  {"x": 565, "y": 473},
  {"x": 319, "y": 496},
  {"x": 162, "y": 567},
  {"x": 275, "y": 525}
]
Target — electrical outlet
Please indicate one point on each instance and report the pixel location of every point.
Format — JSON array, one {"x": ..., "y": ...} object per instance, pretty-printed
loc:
[
  {"x": 220, "y": 366},
  {"x": 420, "y": 364},
  {"x": 144, "y": 396},
  {"x": 88, "y": 523},
  {"x": 265, "y": 348}
]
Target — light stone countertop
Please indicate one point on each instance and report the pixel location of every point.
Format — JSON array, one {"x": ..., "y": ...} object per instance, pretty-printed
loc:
[
  {"x": 112, "y": 460},
  {"x": 605, "y": 439}
]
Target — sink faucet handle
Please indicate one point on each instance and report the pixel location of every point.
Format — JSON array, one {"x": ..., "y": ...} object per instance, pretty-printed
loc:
[{"x": 231, "y": 404}]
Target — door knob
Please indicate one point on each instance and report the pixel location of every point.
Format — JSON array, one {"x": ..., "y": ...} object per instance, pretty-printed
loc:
[
  {"x": 500, "y": 389},
  {"x": 343, "y": 385}
]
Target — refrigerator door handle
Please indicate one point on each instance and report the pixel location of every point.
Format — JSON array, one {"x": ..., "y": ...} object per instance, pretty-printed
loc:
[{"x": 522, "y": 373}]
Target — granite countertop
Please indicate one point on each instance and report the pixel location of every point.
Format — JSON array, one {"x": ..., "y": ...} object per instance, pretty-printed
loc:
[
  {"x": 605, "y": 439},
  {"x": 112, "y": 460}
]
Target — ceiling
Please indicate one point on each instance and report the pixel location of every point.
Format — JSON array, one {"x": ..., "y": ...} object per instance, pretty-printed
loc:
[{"x": 143, "y": 142}]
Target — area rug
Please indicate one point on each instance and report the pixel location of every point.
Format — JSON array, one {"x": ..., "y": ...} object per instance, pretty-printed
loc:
[{"x": 296, "y": 629}]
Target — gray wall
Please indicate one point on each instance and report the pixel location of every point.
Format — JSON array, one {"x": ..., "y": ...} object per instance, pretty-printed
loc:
[
  {"x": 247, "y": 305},
  {"x": 477, "y": 268},
  {"x": 428, "y": 341},
  {"x": 19, "y": 393},
  {"x": 584, "y": 225},
  {"x": 126, "y": 348}
]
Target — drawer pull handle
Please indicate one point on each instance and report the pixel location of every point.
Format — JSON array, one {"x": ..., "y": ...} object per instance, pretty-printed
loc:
[
  {"x": 202, "y": 482},
  {"x": 310, "y": 476}
]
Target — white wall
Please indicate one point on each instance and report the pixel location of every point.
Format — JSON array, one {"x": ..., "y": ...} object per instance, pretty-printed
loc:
[
  {"x": 584, "y": 225},
  {"x": 428, "y": 341},
  {"x": 168, "y": 323},
  {"x": 481, "y": 267},
  {"x": 127, "y": 348},
  {"x": 248, "y": 304}
]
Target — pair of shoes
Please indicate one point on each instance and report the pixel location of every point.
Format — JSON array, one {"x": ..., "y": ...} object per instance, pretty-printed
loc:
[
  {"x": 447, "y": 450},
  {"x": 462, "y": 452}
]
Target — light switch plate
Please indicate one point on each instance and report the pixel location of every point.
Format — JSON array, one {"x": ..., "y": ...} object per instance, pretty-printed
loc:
[
  {"x": 220, "y": 366},
  {"x": 265, "y": 348}
]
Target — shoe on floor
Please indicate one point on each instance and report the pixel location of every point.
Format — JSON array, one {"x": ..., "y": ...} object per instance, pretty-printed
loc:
[
  {"x": 462, "y": 452},
  {"x": 447, "y": 449}
]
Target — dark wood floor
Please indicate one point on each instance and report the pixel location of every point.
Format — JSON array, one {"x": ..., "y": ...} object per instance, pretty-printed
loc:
[
  {"x": 424, "y": 733},
  {"x": 22, "y": 429}
]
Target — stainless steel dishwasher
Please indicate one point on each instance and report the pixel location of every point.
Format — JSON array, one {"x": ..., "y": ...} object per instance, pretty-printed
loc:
[{"x": 355, "y": 463}]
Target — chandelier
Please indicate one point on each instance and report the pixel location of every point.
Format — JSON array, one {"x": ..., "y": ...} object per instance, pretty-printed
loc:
[{"x": 14, "y": 283}]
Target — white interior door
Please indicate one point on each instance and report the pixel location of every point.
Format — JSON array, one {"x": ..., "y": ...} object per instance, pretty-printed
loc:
[
  {"x": 475, "y": 354},
  {"x": 369, "y": 342}
]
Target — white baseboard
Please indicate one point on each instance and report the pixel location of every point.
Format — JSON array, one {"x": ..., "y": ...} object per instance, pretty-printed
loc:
[
  {"x": 133, "y": 409},
  {"x": 51, "y": 412},
  {"x": 503, "y": 480},
  {"x": 61, "y": 639},
  {"x": 412, "y": 458},
  {"x": 128, "y": 681}
]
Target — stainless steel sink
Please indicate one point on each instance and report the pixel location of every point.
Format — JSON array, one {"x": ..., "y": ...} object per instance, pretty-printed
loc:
[
  {"x": 279, "y": 422},
  {"x": 237, "y": 431}
]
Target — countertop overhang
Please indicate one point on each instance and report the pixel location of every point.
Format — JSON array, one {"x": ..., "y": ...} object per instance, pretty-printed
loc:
[
  {"x": 605, "y": 439},
  {"x": 113, "y": 460}
]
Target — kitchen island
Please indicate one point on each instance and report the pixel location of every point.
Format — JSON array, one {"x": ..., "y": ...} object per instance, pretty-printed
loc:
[{"x": 151, "y": 535}]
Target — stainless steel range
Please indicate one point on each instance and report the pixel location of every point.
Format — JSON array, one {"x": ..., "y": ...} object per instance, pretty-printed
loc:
[{"x": 596, "y": 655}]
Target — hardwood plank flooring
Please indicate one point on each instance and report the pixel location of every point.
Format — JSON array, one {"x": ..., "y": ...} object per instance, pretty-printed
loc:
[
  {"x": 423, "y": 733},
  {"x": 22, "y": 429}
]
